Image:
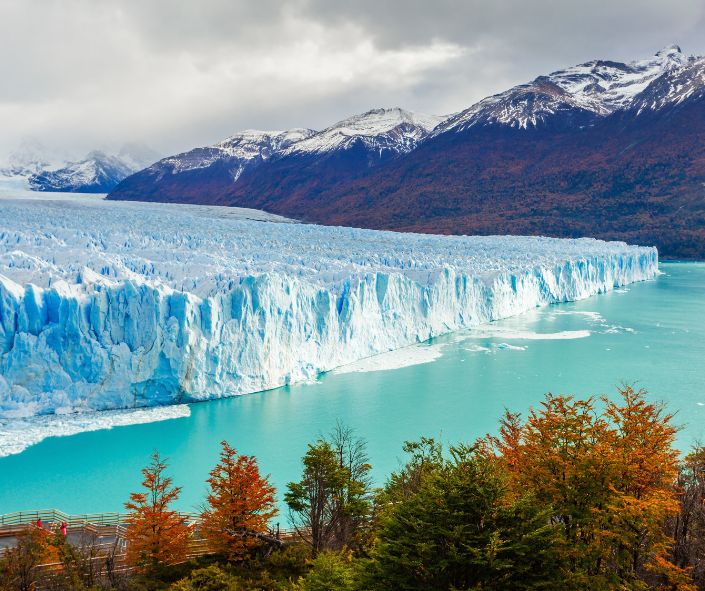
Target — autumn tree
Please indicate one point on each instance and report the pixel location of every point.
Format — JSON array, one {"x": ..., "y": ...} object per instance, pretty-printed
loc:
[
  {"x": 606, "y": 469},
  {"x": 646, "y": 468},
  {"x": 19, "y": 565},
  {"x": 156, "y": 534},
  {"x": 241, "y": 504}
]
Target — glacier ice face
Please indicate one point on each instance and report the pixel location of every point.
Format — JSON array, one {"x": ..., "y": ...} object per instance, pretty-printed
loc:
[{"x": 112, "y": 305}]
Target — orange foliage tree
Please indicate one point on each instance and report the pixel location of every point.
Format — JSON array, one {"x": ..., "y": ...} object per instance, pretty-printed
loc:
[
  {"x": 156, "y": 535},
  {"x": 607, "y": 470},
  {"x": 19, "y": 564},
  {"x": 240, "y": 504}
]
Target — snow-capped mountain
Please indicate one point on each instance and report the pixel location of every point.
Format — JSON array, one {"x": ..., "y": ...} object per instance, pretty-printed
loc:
[
  {"x": 34, "y": 167},
  {"x": 244, "y": 149},
  {"x": 675, "y": 87},
  {"x": 30, "y": 157},
  {"x": 580, "y": 93},
  {"x": 393, "y": 131},
  {"x": 97, "y": 173},
  {"x": 349, "y": 147}
]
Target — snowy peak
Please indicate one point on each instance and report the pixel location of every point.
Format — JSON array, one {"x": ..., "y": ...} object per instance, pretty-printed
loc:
[
  {"x": 240, "y": 150},
  {"x": 253, "y": 143},
  {"x": 394, "y": 130},
  {"x": 98, "y": 172},
  {"x": 235, "y": 154},
  {"x": 673, "y": 88},
  {"x": 35, "y": 167},
  {"x": 593, "y": 89},
  {"x": 30, "y": 157},
  {"x": 672, "y": 53}
]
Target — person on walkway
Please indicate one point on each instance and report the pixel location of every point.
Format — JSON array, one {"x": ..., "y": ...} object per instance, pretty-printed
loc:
[
  {"x": 63, "y": 528},
  {"x": 39, "y": 524}
]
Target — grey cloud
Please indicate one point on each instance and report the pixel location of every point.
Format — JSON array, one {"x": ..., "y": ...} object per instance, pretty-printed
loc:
[{"x": 81, "y": 74}]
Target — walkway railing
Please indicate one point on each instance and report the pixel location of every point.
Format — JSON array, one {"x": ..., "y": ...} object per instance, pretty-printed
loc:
[{"x": 54, "y": 516}]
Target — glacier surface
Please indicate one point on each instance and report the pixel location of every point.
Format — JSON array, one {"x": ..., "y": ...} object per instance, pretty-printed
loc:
[{"x": 118, "y": 305}]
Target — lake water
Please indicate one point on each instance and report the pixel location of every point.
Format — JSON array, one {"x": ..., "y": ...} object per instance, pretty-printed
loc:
[{"x": 454, "y": 388}]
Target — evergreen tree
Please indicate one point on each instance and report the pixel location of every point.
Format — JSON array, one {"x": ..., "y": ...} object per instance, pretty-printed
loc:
[
  {"x": 330, "y": 571},
  {"x": 312, "y": 503},
  {"x": 461, "y": 529},
  {"x": 332, "y": 501}
]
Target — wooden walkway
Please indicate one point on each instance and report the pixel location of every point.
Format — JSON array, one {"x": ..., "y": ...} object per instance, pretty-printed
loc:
[{"x": 105, "y": 530}]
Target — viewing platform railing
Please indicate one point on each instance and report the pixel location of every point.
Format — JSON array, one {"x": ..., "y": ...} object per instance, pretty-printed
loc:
[{"x": 54, "y": 516}]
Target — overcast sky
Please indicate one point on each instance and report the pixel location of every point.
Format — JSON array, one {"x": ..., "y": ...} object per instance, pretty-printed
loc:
[{"x": 79, "y": 74}]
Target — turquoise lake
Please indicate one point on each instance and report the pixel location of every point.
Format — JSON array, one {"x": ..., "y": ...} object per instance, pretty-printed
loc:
[{"x": 651, "y": 334}]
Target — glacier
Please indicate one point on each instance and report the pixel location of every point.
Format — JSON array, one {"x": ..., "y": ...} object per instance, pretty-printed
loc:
[{"x": 121, "y": 305}]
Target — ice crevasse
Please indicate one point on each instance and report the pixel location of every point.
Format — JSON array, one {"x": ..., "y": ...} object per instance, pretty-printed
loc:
[{"x": 115, "y": 305}]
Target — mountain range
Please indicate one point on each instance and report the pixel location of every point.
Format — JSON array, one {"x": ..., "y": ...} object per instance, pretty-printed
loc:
[
  {"x": 606, "y": 149},
  {"x": 97, "y": 172}
]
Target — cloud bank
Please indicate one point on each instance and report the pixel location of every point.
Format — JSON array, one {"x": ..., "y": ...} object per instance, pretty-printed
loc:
[{"x": 80, "y": 74}]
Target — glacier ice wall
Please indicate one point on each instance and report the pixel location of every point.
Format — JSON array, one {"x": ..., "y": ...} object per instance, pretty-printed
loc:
[{"x": 110, "y": 305}]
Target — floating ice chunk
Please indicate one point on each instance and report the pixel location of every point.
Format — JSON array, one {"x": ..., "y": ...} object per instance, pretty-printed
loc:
[
  {"x": 405, "y": 357},
  {"x": 484, "y": 332},
  {"x": 18, "y": 434}
]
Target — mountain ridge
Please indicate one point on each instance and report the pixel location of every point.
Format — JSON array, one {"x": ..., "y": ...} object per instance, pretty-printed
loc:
[{"x": 605, "y": 149}]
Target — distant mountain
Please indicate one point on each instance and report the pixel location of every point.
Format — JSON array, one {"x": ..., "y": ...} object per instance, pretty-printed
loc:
[
  {"x": 603, "y": 149},
  {"x": 570, "y": 98},
  {"x": 383, "y": 133},
  {"x": 299, "y": 156},
  {"x": 30, "y": 157},
  {"x": 200, "y": 175},
  {"x": 98, "y": 172}
]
